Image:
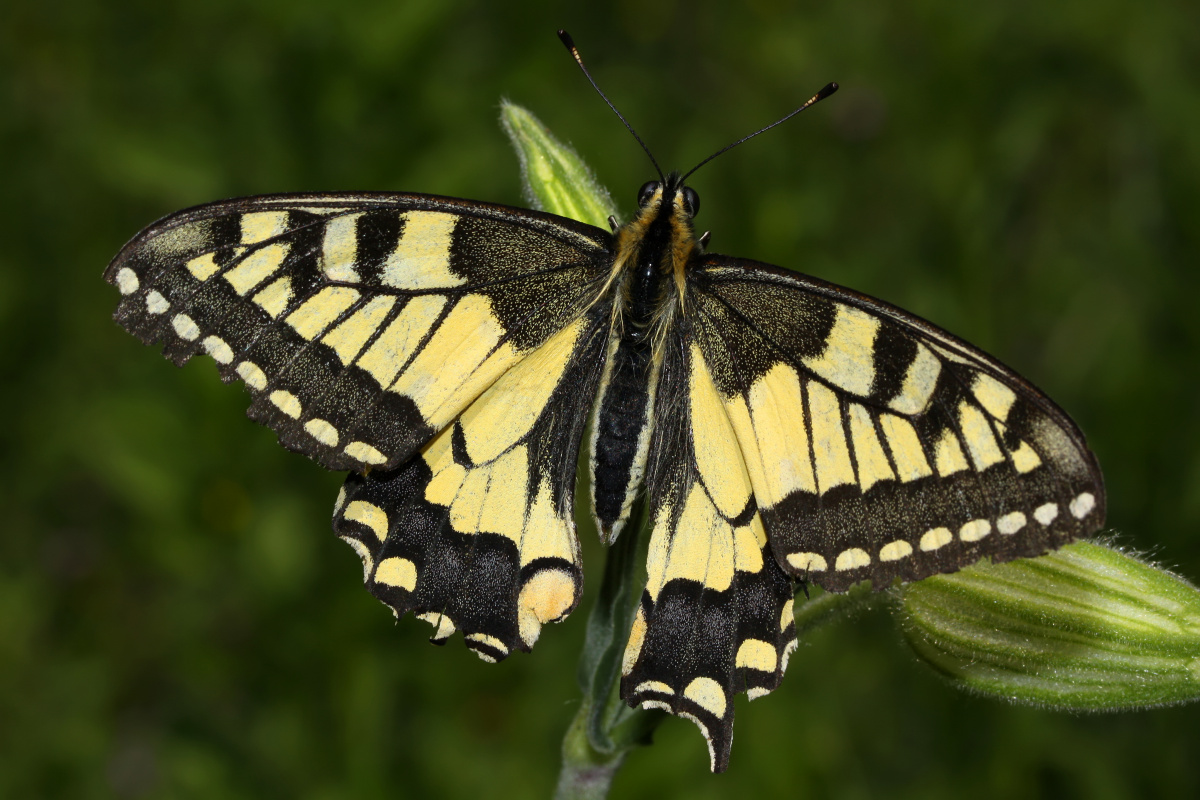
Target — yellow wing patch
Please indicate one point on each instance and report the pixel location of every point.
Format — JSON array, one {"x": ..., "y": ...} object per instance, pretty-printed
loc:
[{"x": 849, "y": 358}]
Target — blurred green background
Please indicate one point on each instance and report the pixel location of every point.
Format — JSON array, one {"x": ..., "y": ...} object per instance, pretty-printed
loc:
[{"x": 176, "y": 619}]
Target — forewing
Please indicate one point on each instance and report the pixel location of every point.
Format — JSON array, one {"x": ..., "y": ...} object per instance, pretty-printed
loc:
[
  {"x": 362, "y": 324},
  {"x": 477, "y": 532},
  {"x": 878, "y": 445},
  {"x": 715, "y": 617}
]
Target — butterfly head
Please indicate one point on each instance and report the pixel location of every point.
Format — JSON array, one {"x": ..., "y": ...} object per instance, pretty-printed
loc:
[
  {"x": 665, "y": 212},
  {"x": 681, "y": 198},
  {"x": 662, "y": 227}
]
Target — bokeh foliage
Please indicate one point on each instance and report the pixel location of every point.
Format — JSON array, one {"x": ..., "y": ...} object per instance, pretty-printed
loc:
[{"x": 176, "y": 619}]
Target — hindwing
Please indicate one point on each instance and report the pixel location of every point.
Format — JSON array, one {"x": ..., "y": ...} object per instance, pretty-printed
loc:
[
  {"x": 715, "y": 617},
  {"x": 361, "y": 324},
  {"x": 477, "y": 532},
  {"x": 878, "y": 445}
]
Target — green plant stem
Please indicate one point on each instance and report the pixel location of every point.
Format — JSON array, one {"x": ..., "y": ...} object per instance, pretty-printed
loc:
[
  {"x": 605, "y": 729},
  {"x": 586, "y": 772}
]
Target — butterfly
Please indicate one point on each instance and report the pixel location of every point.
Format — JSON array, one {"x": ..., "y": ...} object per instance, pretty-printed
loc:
[{"x": 450, "y": 354}]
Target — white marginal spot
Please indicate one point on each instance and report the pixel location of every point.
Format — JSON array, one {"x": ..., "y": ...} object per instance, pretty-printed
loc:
[
  {"x": 894, "y": 551},
  {"x": 653, "y": 686},
  {"x": 341, "y": 500},
  {"x": 1010, "y": 523},
  {"x": 254, "y": 377},
  {"x": 708, "y": 694},
  {"x": 853, "y": 558},
  {"x": 155, "y": 302},
  {"x": 286, "y": 402},
  {"x": 1046, "y": 514},
  {"x": 810, "y": 562},
  {"x": 787, "y": 617},
  {"x": 755, "y": 692},
  {"x": 127, "y": 281},
  {"x": 216, "y": 347},
  {"x": 974, "y": 530},
  {"x": 1082, "y": 505},
  {"x": 186, "y": 327},
  {"x": 936, "y": 538},
  {"x": 322, "y": 431},
  {"x": 364, "y": 453}
]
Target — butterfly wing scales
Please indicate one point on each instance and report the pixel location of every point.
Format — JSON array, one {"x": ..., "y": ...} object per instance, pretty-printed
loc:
[
  {"x": 476, "y": 534},
  {"x": 362, "y": 324},
  {"x": 715, "y": 617},
  {"x": 878, "y": 445}
]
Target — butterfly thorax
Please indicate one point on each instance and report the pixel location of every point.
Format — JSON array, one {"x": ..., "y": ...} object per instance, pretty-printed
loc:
[{"x": 652, "y": 254}]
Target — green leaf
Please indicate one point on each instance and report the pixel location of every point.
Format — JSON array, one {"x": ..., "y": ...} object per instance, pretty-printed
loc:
[
  {"x": 1084, "y": 628},
  {"x": 554, "y": 176}
]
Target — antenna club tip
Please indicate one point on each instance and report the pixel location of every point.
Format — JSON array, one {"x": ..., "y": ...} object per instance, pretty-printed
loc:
[
  {"x": 829, "y": 89},
  {"x": 566, "y": 39}
]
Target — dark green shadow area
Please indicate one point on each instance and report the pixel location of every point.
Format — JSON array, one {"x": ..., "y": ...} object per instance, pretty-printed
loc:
[{"x": 177, "y": 620}]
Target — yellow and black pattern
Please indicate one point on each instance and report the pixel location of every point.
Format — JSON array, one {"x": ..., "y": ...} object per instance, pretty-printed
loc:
[
  {"x": 476, "y": 534},
  {"x": 450, "y": 353},
  {"x": 715, "y": 618},
  {"x": 361, "y": 325},
  {"x": 879, "y": 446}
]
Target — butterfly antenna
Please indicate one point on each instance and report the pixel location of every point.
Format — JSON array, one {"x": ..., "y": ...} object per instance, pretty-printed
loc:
[
  {"x": 570, "y": 45},
  {"x": 816, "y": 98}
]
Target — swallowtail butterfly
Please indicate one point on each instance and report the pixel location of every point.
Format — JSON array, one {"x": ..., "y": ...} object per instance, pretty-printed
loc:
[{"x": 449, "y": 353}]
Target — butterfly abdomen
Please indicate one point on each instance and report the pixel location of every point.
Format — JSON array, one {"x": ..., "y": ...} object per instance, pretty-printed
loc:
[
  {"x": 621, "y": 436},
  {"x": 645, "y": 261}
]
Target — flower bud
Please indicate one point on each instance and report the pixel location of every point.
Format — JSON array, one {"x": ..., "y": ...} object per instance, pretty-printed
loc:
[
  {"x": 1085, "y": 628},
  {"x": 555, "y": 177}
]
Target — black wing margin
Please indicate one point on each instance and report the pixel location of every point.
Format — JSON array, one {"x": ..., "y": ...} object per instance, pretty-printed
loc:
[
  {"x": 361, "y": 324},
  {"x": 878, "y": 445}
]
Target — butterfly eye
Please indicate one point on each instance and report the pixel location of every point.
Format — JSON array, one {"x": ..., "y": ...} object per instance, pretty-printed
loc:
[
  {"x": 646, "y": 192},
  {"x": 691, "y": 201}
]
